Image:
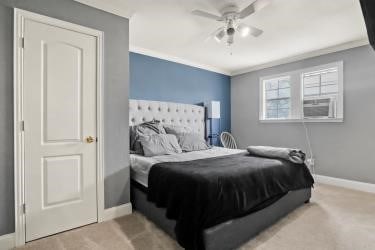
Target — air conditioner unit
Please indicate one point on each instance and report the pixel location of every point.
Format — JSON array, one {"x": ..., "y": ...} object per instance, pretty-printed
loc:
[{"x": 319, "y": 107}]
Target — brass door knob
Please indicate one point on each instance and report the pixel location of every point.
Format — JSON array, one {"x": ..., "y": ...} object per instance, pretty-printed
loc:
[{"x": 90, "y": 139}]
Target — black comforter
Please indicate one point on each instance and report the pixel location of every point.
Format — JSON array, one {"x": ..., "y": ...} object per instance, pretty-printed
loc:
[{"x": 202, "y": 193}]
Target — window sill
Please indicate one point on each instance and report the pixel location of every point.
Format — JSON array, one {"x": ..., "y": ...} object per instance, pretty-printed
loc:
[{"x": 317, "y": 120}]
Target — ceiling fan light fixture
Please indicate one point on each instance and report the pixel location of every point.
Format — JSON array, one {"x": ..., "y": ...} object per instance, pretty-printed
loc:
[
  {"x": 230, "y": 40},
  {"x": 231, "y": 31},
  {"x": 243, "y": 30},
  {"x": 231, "y": 17},
  {"x": 219, "y": 36}
]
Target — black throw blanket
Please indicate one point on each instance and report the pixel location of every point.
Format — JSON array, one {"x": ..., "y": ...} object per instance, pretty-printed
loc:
[{"x": 202, "y": 193}]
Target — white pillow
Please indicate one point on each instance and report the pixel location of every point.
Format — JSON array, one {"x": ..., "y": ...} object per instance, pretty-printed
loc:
[
  {"x": 160, "y": 144},
  {"x": 191, "y": 142},
  {"x": 176, "y": 129}
]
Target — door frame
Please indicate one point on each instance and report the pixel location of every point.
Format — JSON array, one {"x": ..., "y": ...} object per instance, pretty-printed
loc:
[{"x": 19, "y": 162}]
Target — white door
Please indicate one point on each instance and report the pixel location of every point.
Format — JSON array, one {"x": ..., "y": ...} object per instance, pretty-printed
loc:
[{"x": 60, "y": 118}]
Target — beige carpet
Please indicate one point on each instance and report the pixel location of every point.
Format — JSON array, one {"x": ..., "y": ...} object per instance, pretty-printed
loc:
[{"x": 336, "y": 218}]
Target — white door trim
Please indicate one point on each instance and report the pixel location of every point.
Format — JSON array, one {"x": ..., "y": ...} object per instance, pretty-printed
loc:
[{"x": 19, "y": 182}]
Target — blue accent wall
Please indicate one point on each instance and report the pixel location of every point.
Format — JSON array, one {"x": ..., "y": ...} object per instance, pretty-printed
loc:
[{"x": 160, "y": 80}]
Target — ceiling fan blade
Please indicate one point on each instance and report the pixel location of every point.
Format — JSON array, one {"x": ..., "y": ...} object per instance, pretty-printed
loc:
[
  {"x": 255, "y": 32},
  {"x": 254, "y": 7},
  {"x": 207, "y": 15}
]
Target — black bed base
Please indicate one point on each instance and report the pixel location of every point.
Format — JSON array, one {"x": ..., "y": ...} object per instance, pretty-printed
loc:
[{"x": 230, "y": 234}]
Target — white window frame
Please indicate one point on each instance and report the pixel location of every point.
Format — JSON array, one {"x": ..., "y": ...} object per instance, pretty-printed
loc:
[
  {"x": 264, "y": 98},
  {"x": 296, "y": 92}
]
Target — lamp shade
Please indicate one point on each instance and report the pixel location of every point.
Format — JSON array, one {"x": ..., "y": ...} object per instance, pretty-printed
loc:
[{"x": 213, "y": 110}]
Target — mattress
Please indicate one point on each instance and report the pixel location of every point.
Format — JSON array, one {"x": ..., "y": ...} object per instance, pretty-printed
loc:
[{"x": 140, "y": 165}]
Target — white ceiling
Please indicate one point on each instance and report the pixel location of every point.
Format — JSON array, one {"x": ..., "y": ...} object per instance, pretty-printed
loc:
[{"x": 292, "y": 28}]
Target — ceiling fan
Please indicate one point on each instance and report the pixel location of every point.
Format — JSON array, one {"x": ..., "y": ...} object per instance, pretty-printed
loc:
[{"x": 231, "y": 17}]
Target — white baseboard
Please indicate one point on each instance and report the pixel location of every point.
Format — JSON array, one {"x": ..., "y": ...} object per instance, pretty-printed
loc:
[
  {"x": 115, "y": 212},
  {"x": 7, "y": 242},
  {"x": 356, "y": 185}
]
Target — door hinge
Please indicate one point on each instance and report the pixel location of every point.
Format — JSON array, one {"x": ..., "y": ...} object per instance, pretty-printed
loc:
[
  {"x": 22, "y": 42},
  {"x": 24, "y": 208},
  {"x": 22, "y": 126}
]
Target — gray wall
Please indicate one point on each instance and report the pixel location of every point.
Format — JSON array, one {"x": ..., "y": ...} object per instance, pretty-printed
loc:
[
  {"x": 116, "y": 83},
  {"x": 343, "y": 150}
]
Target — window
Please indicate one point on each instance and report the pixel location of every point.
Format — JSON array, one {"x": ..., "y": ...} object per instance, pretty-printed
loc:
[
  {"x": 277, "y": 96},
  {"x": 313, "y": 94},
  {"x": 320, "y": 83},
  {"x": 320, "y": 93}
]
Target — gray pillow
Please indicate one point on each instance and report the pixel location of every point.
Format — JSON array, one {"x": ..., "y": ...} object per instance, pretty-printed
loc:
[
  {"x": 192, "y": 142},
  {"x": 143, "y": 129},
  {"x": 160, "y": 144},
  {"x": 176, "y": 129}
]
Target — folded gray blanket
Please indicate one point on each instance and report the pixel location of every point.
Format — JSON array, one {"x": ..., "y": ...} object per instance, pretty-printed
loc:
[{"x": 292, "y": 155}]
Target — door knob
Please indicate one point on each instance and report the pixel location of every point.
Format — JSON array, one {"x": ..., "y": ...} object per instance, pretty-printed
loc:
[{"x": 90, "y": 139}]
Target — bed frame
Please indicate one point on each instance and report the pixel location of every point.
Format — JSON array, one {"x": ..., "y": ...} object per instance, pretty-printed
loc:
[
  {"x": 230, "y": 234},
  {"x": 227, "y": 235}
]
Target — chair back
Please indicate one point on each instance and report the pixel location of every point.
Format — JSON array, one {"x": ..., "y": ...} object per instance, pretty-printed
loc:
[{"x": 227, "y": 140}]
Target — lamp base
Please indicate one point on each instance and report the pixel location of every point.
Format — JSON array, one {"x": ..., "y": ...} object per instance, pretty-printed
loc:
[{"x": 211, "y": 138}]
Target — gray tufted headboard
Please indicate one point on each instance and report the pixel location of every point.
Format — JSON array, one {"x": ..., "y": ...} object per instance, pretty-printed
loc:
[{"x": 168, "y": 113}]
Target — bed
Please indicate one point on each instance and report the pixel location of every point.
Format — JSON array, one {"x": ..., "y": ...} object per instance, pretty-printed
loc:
[{"x": 225, "y": 232}]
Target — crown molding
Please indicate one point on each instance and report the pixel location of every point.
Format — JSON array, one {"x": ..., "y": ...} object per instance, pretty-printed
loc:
[
  {"x": 328, "y": 50},
  {"x": 175, "y": 59},
  {"x": 332, "y": 49},
  {"x": 102, "y": 5}
]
